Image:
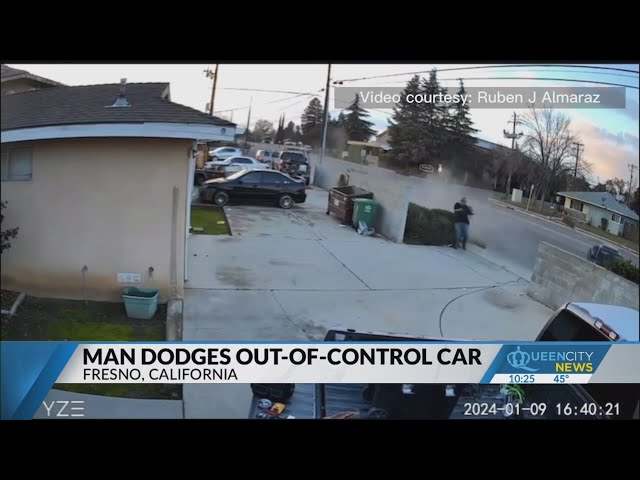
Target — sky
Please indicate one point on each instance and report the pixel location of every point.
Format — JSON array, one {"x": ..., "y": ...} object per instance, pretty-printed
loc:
[{"x": 610, "y": 137}]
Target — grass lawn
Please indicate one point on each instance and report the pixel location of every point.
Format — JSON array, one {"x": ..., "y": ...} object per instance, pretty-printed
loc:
[
  {"x": 609, "y": 237},
  {"x": 211, "y": 219},
  {"x": 40, "y": 319}
]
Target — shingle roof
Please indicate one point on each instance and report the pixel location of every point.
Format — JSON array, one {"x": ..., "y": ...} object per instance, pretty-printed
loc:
[
  {"x": 603, "y": 200},
  {"x": 6, "y": 71},
  {"x": 8, "y": 74},
  {"x": 91, "y": 104}
]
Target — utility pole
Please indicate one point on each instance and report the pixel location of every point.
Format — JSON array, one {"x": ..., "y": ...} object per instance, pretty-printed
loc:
[
  {"x": 513, "y": 136},
  {"x": 246, "y": 132},
  {"x": 326, "y": 114},
  {"x": 575, "y": 170},
  {"x": 632, "y": 167},
  {"x": 214, "y": 76}
]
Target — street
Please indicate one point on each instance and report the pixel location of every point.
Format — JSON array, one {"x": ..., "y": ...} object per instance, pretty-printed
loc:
[
  {"x": 511, "y": 237},
  {"x": 515, "y": 235}
]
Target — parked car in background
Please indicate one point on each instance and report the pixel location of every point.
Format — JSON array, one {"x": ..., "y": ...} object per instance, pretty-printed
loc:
[
  {"x": 267, "y": 157},
  {"x": 267, "y": 140},
  {"x": 294, "y": 162},
  {"x": 603, "y": 255},
  {"x": 254, "y": 186},
  {"x": 289, "y": 143},
  {"x": 223, "y": 153},
  {"x": 235, "y": 164}
]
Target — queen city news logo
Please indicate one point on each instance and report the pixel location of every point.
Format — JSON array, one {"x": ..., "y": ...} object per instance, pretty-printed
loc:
[{"x": 551, "y": 361}]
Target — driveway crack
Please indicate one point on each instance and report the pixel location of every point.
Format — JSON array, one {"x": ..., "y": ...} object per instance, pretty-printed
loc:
[
  {"x": 345, "y": 266},
  {"x": 286, "y": 315}
]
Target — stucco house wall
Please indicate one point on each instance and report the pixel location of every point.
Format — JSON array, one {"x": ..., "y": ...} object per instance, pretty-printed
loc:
[{"x": 103, "y": 203}]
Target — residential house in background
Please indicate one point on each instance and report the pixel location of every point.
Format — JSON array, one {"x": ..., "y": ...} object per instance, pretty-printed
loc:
[
  {"x": 13, "y": 81},
  {"x": 383, "y": 139},
  {"x": 602, "y": 210},
  {"x": 98, "y": 179}
]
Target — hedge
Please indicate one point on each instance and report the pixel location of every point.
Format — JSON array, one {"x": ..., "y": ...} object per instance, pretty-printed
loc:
[
  {"x": 429, "y": 226},
  {"x": 625, "y": 269}
]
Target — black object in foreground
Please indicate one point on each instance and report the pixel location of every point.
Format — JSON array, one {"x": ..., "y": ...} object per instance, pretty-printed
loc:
[{"x": 276, "y": 392}]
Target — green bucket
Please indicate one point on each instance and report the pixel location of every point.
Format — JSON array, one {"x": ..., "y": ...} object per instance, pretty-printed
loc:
[{"x": 140, "y": 303}]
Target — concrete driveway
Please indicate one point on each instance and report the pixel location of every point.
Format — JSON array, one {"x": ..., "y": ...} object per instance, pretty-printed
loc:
[{"x": 289, "y": 275}]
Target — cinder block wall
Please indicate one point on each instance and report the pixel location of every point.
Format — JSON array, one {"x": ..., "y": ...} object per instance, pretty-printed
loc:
[
  {"x": 387, "y": 190},
  {"x": 560, "y": 276}
]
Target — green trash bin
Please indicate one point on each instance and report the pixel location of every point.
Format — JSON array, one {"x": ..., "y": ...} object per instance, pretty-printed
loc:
[
  {"x": 365, "y": 210},
  {"x": 140, "y": 303}
]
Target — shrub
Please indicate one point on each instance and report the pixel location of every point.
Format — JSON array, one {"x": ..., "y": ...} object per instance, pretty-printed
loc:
[
  {"x": 6, "y": 235},
  {"x": 625, "y": 269},
  {"x": 567, "y": 220},
  {"x": 429, "y": 226}
]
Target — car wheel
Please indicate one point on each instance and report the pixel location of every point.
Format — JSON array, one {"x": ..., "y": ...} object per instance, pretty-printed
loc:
[
  {"x": 215, "y": 159},
  {"x": 221, "y": 198},
  {"x": 199, "y": 180},
  {"x": 285, "y": 201}
]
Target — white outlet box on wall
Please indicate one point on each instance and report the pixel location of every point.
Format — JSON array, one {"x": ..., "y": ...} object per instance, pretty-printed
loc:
[{"x": 129, "y": 278}]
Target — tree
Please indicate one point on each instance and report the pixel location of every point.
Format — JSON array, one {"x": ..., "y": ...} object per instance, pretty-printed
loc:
[
  {"x": 280, "y": 133},
  {"x": 289, "y": 131},
  {"x": 600, "y": 187},
  {"x": 312, "y": 120},
  {"x": 8, "y": 234},
  {"x": 549, "y": 142},
  {"x": 263, "y": 128},
  {"x": 404, "y": 126},
  {"x": 459, "y": 139},
  {"x": 357, "y": 126},
  {"x": 434, "y": 118},
  {"x": 615, "y": 186},
  {"x": 635, "y": 201}
]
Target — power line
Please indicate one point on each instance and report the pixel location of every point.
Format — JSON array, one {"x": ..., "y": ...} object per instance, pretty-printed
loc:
[
  {"x": 574, "y": 80},
  {"x": 548, "y": 79},
  {"x": 267, "y": 91},
  {"x": 402, "y": 82},
  {"x": 477, "y": 67},
  {"x": 266, "y": 103}
]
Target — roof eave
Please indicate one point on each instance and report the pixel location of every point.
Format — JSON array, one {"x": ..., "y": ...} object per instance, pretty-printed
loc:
[{"x": 31, "y": 76}]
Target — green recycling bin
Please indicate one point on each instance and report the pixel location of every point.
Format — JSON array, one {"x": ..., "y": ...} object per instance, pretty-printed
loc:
[
  {"x": 365, "y": 210},
  {"x": 140, "y": 303}
]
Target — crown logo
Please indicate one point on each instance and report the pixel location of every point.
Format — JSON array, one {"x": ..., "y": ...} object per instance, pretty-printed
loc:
[{"x": 520, "y": 360}]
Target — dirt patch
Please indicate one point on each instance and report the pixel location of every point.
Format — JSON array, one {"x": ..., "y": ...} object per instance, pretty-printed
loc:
[
  {"x": 237, "y": 277},
  {"x": 502, "y": 299}
]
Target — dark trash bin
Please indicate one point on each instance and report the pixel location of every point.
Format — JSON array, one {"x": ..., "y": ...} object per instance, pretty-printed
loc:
[{"x": 341, "y": 201}]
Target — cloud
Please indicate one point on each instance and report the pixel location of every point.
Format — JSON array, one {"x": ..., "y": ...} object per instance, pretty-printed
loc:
[{"x": 608, "y": 152}]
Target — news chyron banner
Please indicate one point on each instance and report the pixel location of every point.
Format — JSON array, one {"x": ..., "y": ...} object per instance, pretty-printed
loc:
[{"x": 30, "y": 369}]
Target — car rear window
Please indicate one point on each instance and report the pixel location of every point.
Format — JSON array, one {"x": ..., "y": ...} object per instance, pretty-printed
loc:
[
  {"x": 293, "y": 157},
  {"x": 568, "y": 327}
]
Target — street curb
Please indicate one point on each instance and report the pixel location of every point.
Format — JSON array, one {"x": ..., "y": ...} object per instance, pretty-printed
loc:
[
  {"x": 541, "y": 217},
  {"x": 584, "y": 232}
]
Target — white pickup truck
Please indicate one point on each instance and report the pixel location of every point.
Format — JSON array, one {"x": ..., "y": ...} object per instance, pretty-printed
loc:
[{"x": 573, "y": 322}]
